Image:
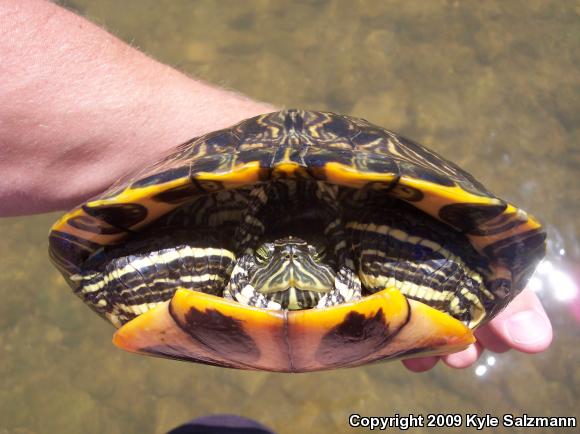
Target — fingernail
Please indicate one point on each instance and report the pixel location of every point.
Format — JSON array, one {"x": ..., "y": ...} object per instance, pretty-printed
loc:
[{"x": 527, "y": 327}]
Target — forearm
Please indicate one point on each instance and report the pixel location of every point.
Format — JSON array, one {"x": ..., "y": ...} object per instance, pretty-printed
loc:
[{"x": 79, "y": 108}]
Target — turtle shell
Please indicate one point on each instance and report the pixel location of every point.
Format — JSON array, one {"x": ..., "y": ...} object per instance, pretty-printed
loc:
[{"x": 310, "y": 146}]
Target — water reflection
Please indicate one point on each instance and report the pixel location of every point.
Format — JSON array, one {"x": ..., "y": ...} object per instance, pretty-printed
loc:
[
  {"x": 556, "y": 281},
  {"x": 483, "y": 367},
  {"x": 480, "y": 370}
]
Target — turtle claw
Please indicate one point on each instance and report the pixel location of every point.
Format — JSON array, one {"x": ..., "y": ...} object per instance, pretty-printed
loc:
[
  {"x": 347, "y": 287},
  {"x": 250, "y": 297}
]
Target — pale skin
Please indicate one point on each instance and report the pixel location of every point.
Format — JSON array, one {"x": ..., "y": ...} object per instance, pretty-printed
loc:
[{"x": 73, "y": 98}]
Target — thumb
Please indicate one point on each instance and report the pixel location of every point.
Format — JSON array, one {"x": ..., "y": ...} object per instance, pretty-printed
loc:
[{"x": 524, "y": 325}]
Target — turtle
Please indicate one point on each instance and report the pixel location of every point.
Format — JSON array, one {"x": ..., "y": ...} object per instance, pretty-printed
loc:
[{"x": 297, "y": 241}]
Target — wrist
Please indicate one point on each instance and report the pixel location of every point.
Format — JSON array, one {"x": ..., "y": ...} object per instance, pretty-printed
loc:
[{"x": 81, "y": 108}]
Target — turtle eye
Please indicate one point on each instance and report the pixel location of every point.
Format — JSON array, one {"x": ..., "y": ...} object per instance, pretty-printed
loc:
[
  {"x": 263, "y": 253},
  {"x": 317, "y": 254}
]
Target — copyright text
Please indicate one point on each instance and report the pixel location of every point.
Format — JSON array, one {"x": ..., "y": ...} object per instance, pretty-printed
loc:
[{"x": 479, "y": 422}]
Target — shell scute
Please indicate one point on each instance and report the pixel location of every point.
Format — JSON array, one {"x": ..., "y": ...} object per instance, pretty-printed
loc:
[
  {"x": 162, "y": 177},
  {"x": 338, "y": 126}
]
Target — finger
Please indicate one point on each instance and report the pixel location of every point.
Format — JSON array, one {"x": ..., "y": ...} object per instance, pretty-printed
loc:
[
  {"x": 464, "y": 358},
  {"x": 490, "y": 340},
  {"x": 420, "y": 364},
  {"x": 523, "y": 325}
]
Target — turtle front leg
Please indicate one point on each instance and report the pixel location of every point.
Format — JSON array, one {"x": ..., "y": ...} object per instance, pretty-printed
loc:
[
  {"x": 240, "y": 290},
  {"x": 347, "y": 287}
]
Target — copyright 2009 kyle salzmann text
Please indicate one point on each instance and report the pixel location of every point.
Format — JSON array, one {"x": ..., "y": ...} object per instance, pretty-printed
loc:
[{"x": 480, "y": 422}]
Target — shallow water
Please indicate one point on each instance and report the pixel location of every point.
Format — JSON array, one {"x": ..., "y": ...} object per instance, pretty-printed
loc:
[{"x": 492, "y": 85}]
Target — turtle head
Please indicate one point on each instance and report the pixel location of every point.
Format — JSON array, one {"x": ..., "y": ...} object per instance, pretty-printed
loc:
[{"x": 292, "y": 272}]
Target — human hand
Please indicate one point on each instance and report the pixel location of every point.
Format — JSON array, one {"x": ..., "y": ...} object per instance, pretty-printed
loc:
[{"x": 523, "y": 326}]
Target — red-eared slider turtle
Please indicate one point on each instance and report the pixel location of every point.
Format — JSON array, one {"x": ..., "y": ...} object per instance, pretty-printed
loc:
[{"x": 297, "y": 241}]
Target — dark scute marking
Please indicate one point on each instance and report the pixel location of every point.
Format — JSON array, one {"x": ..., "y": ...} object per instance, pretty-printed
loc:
[
  {"x": 92, "y": 225},
  {"x": 367, "y": 137},
  {"x": 426, "y": 174},
  {"x": 252, "y": 127},
  {"x": 122, "y": 215},
  {"x": 520, "y": 252},
  {"x": 299, "y": 121},
  {"x": 381, "y": 165},
  {"x": 264, "y": 156},
  {"x": 211, "y": 163},
  {"x": 355, "y": 338},
  {"x": 339, "y": 126},
  {"x": 162, "y": 177},
  {"x": 178, "y": 353},
  {"x": 221, "y": 334},
  {"x": 503, "y": 223},
  {"x": 69, "y": 251},
  {"x": 220, "y": 140},
  {"x": 469, "y": 217},
  {"x": 178, "y": 194},
  {"x": 321, "y": 157},
  {"x": 293, "y": 120},
  {"x": 497, "y": 229}
]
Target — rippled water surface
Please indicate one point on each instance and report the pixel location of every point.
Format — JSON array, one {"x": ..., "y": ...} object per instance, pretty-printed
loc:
[{"x": 493, "y": 85}]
